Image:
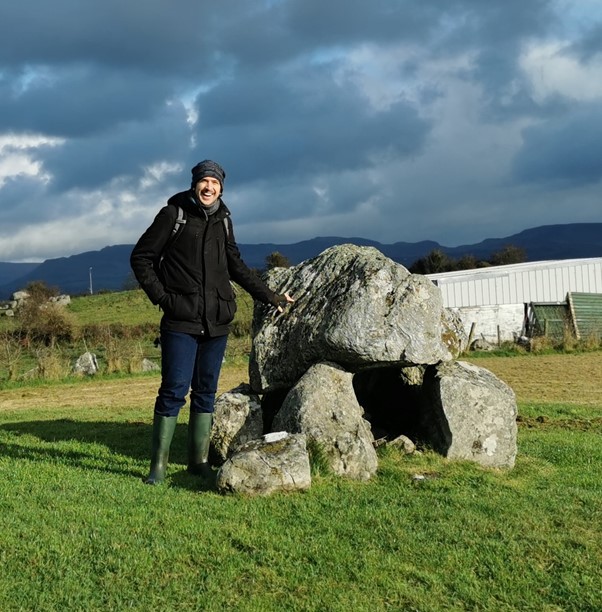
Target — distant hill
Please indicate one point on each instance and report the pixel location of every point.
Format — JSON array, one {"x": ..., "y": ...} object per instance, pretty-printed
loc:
[
  {"x": 570, "y": 241},
  {"x": 111, "y": 268},
  {"x": 12, "y": 271}
]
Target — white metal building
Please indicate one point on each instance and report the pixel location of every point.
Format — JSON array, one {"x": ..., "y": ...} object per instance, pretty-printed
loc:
[{"x": 495, "y": 299}]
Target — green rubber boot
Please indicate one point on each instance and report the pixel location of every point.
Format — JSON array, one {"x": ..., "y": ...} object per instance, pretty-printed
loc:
[
  {"x": 199, "y": 438},
  {"x": 163, "y": 430}
]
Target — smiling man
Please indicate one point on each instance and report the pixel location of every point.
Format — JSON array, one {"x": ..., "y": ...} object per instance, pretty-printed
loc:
[{"x": 184, "y": 262}]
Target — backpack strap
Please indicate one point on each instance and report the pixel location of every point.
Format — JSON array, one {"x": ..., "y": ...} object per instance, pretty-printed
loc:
[
  {"x": 179, "y": 222},
  {"x": 226, "y": 228},
  {"x": 178, "y": 225}
]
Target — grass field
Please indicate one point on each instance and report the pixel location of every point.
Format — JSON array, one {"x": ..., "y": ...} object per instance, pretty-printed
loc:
[
  {"x": 81, "y": 532},
  {"x": 119, "y": 328}
]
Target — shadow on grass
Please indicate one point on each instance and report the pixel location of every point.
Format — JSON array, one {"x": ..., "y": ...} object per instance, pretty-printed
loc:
[{"x": 124, "y": 441}]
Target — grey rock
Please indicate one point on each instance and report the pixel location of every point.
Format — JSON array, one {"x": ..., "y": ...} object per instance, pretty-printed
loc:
[
  {"x": 480, "y": 344},
  {"x": 86, "y": 364},
  {"x": 470, "y": 414},
  {"x": 404, "y": 444},
  {"x": 412, "y": 376},
  {"x": 323, "y": 406},
  {"x": 20, "y": 296},
  {"x": 60, "y": 300},
  {"x": 355, "y": 307},
  {"x": 262, "y": 468},
  {"x": 237, "y": 419},
  {"x": 149, "y": 366}
]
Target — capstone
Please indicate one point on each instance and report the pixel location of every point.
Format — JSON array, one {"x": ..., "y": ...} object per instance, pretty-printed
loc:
[{"x": 354, "y": 307}]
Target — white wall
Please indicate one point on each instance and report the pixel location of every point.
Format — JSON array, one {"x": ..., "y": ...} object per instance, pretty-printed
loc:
[{"x": 508, "y": 317}]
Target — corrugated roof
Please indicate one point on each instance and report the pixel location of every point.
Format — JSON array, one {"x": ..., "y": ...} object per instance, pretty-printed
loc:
[
  {"x": 494, "y": 271},
  {"x": 538, "y": 281}
]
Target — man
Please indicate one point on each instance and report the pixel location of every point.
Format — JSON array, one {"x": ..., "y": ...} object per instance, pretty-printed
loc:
[{"x": 188, "y": 273}]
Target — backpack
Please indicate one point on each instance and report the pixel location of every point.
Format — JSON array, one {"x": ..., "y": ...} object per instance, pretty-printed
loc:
[{"x": 179, "y": 224}]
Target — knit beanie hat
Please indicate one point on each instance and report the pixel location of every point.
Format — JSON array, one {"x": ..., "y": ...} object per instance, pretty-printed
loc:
[{"x": 208, "y": 168}]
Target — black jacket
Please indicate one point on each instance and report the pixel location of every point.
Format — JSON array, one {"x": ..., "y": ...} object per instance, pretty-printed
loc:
[{"x": 189, "y": 276}]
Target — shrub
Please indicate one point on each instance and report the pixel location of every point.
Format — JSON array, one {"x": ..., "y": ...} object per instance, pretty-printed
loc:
[
  {"x": 11, "y": 354},
  {"x": 47, "y": 322},
  {"x": 39, "y": 292},
  {"x": 51, "y": 363},
  {"x": 591, "y": 342},
  {"x": 240, "y": 328},
  {"x": 541, "y": 344}
]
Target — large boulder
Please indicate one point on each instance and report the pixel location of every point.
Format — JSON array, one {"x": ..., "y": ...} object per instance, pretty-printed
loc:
[
  {"x": 355, "y": 307},
  {"x": 469, "y": 413},
  {"x": 323, "y": 406},
  {"x": 268, "y": 465}
]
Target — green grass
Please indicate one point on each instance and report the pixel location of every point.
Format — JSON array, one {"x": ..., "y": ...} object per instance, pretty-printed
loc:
[
  {"x": 124, "y": 308},
  {"x": 81, "y": 531},
  {"x": 122, "y": 324}
]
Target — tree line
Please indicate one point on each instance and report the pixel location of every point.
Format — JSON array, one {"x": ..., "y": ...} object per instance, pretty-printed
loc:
[{"x": 437, "y": 261}]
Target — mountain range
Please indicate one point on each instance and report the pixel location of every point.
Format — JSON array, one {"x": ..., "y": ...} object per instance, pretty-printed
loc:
[{"x": 109, "y": 268}]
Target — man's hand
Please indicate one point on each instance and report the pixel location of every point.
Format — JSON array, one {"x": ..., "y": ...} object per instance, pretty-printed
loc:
[{"x": 284, "y": 302}]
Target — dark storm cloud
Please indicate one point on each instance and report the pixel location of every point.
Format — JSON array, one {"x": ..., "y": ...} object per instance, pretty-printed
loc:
[
  {"x": 153, "y": 35},
  {"x": 591, "y": 44},
  {"x": 298, "y": 27},
  {"x": 498, "y": 31},
  {"x": 88, "y": 163},
  {"x": 20, "y": 200},
  {"x": 310, "y": 124},
  {"x": 401, "y": 111},
  {"x": 565, "y": 151},
  {"x": 78, "y": 101},
  {"x": 341, "y": 22}
]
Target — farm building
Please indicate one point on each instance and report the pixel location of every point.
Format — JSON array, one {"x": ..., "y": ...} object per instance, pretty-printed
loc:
[{"x": 501, "y": 303}]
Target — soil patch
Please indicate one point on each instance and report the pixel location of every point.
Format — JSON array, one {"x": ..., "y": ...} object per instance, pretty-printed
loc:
[
  {"x": 563, "y": 379},
  {"x": 132, "y": 392}
]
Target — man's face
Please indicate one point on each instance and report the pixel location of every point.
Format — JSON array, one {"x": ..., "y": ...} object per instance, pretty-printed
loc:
[{"x": 207, "y": 190}]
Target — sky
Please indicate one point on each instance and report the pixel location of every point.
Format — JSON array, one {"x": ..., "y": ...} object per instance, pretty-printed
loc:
[{"x": 393, "y": 120}]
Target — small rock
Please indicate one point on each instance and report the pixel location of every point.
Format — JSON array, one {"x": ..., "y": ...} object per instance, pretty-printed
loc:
[
  {"x": 262, "y": 468},
  {"x": 404, "y": 444}
]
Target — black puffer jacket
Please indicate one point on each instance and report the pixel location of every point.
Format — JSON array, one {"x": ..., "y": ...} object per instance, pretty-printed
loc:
[{"x": 190, "y": 279}]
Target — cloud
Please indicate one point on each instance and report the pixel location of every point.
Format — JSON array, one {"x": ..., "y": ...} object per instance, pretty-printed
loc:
[
  {"x": 555, "y": 71},
  {"x": 309, "y": 126},
  {"x": 450, "y": 120},
  {"x": 565, "y": 151},
  {"x": 155, "y": 37},
  {"x": 123, "y": 151},
  {"x": 77, "y": 101}
]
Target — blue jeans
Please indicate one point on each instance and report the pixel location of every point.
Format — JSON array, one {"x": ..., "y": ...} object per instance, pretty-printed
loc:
[{"x": 189, "y": 361}]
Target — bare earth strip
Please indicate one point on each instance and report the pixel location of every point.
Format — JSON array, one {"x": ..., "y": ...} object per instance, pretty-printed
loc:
[
  {"x": 132, "y": 392},
  {"x": 565, "y": 379}
]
